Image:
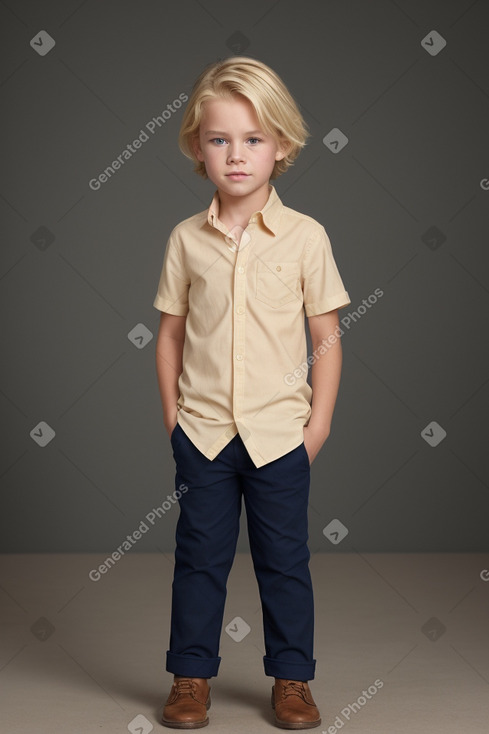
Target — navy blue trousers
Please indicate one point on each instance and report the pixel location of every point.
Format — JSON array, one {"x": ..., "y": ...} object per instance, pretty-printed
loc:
[{"x": 276, "y": 500}]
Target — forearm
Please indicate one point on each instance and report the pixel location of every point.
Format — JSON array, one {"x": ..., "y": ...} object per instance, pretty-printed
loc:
[
  {"x": 168, "y": 385},
  {"x": 169, "y": 351},
  {"x": 325, "y": 381}
]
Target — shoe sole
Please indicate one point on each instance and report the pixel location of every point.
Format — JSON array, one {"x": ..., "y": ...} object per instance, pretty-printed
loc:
[
  {"x": 293, "y": 724},
  {"x": 297, "y": 725},
  {"x": 187, "y": 724}
]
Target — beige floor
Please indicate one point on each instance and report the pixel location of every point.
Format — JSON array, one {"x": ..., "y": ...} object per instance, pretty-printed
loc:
[{"x": 83, "y": 656}]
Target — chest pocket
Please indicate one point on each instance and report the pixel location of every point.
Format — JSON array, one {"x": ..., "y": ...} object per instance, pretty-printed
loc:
[{"x": 277, "y": 283}]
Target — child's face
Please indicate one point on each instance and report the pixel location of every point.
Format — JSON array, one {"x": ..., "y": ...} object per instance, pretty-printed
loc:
[{"x": 230, "y": 140}]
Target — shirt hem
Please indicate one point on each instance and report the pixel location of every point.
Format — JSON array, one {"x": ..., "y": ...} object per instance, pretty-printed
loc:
[
  {"x": 339, "y": 301},
  {"x": 171, "y": 308}
]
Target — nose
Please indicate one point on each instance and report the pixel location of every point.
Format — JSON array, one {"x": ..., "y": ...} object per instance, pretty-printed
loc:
[{"x": 236, "y": 152}]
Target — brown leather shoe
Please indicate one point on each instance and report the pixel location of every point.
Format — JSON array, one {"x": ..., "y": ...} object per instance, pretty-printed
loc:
[
  {"x": 294, "y": 705},
  {"x": 187, "y": 704}
]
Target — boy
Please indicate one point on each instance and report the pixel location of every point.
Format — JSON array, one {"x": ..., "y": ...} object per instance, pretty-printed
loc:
[{"x": 235, "y": 284}]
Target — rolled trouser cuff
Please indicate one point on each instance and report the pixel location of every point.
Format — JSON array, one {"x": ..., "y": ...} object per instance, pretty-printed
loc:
[
  {"x": 289, "y": 670},
  {"x": 192, "y": 667}
]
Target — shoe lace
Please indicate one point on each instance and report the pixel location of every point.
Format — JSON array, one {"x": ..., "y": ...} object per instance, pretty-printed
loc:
[
  {"x": 293, "y": 688},
  {"x": 184, "y": 685}
]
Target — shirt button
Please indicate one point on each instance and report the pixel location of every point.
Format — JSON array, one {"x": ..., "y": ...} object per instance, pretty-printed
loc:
[
  {"x": 239, "y": 356},
  {"x": 278, "y": 268},
  {"x": 240, "y": 269},
  {"x": 240, "y": 309}
]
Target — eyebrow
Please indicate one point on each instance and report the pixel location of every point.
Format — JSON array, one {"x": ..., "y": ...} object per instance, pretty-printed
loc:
[{"x": 220, "y": 132}]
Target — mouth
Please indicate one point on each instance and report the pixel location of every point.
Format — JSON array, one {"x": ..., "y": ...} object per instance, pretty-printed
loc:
[{"x": 237, "y": 175}]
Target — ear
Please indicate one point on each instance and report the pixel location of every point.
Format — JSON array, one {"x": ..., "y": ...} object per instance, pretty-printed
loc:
[
  {"x": 283, "y": 148},
  {"x": 197, "y": 149}
]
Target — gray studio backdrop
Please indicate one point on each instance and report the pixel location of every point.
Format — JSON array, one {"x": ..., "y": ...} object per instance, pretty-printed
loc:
[{"x": 396, "y": 95}]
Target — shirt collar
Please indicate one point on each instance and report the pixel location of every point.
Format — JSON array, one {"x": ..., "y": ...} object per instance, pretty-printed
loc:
[{"x": 269, "y": 215}]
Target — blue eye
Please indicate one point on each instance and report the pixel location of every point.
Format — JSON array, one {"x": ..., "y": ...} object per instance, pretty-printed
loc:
[{"x": 220, "y": 141}]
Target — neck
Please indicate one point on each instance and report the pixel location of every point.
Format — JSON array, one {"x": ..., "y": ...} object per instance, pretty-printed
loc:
[{"x": 237, "y": 210}]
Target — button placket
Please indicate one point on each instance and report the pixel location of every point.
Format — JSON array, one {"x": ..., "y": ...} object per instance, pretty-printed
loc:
[{"x": 239, "y": 323}]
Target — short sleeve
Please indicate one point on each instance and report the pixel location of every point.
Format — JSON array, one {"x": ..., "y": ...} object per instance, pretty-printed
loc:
[
  {"x": 323, "y": 287},
  {"x": 172, "y": 293}
]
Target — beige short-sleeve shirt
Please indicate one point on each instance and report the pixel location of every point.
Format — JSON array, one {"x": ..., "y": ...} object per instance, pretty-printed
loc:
[{"x": 245, "y": 326}]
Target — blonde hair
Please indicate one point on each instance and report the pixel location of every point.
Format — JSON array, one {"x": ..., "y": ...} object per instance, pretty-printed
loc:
[{"x": 276, "y": 110}]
